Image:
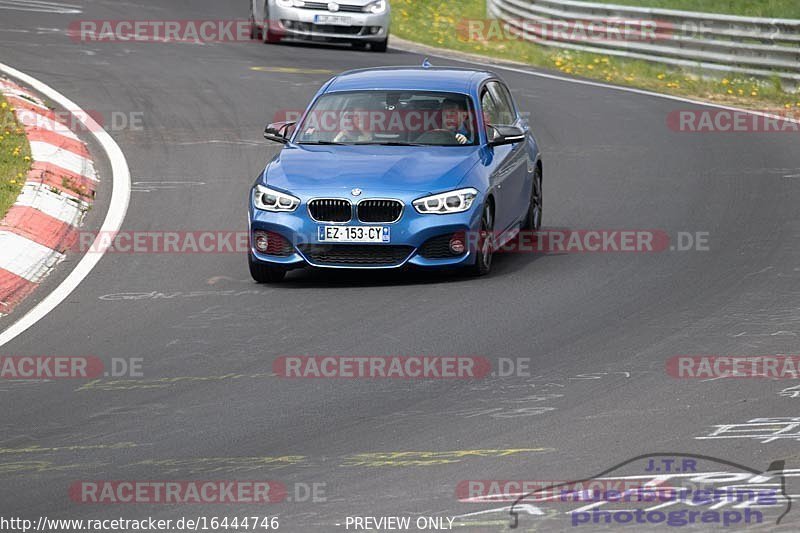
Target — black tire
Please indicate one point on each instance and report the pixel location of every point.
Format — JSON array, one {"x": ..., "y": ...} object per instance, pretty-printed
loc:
[
  {"x": 533, "y": 219},
  {"x": 262, "y": 273},
  {"x": 255, "y": 32},
  {"x": 380, "y": 46},
  {"x": 253, "y": 29},
  {"x": 483, "y": 262},
  {"x": 267, "y": 35}
]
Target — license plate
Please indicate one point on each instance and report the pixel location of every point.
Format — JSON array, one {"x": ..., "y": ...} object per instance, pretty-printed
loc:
[
  {"x": 353, "y": 234},
  {"x": 335, "y": 20}
]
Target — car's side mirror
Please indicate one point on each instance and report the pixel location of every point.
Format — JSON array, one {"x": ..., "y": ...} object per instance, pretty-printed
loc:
[
  {"x": 277, "y": 131},
  {"x": 499, "y": 135}
]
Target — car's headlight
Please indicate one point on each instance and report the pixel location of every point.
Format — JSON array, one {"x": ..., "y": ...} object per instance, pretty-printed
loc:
[
  {"x": 291, "y": 3},
  {"x": 446, "y": 202},
  {"x": 268, "y": 199},
  {"x": 377, "y": 7}
]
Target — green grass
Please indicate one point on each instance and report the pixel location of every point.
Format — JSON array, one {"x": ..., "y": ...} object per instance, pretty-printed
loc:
[
  {"x": 443, "y": 23},
  {"x": 789, "y": 9},
  {"x": 14, "y": 157}
]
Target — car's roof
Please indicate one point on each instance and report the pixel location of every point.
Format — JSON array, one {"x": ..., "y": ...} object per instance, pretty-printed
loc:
[{"x": 446, "y": 79}]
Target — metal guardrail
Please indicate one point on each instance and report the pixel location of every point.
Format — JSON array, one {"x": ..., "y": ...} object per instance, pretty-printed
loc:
[{"x": 757, "y": 47}]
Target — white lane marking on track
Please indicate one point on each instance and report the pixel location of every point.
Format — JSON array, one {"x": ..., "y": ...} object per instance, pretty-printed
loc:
[
  {"x": 156, "y": 186},
  {"x": 38, "y": 6},
  {"x": 118, "y": 207},
  {"x": 243, "y": 142},
  {"x": 522, "y": 508},
  {"x": 593, "y": 83}
]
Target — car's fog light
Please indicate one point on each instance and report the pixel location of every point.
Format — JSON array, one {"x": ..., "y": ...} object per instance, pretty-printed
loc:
[
  {"x": 261, "y": 240},
  {"x": 457, "y": 244}
]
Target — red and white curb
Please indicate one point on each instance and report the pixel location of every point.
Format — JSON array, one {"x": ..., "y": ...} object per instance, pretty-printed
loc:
[
  {"x": 58, "y": 192},
  {"x": 114, "y": 217}
]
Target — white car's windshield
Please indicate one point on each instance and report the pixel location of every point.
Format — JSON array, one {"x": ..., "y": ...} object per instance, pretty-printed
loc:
[{"x": 390, "y": 118}]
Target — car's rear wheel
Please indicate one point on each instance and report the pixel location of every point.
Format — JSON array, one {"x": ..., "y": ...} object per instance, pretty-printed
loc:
[
  {"x": 533, "y": 220},
  {"x": 380, "y": 46},
  {"x": 485, "y": 252},
  {"x": 265, "y": 273}
]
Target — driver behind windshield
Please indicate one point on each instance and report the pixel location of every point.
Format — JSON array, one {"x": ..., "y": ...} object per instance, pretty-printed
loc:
[
  {"x": 455, "y": 119},
  {"x": 355, "y": 127}
]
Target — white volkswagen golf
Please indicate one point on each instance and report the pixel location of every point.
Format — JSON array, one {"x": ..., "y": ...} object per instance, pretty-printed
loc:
[{"x": 360, "y": 22}]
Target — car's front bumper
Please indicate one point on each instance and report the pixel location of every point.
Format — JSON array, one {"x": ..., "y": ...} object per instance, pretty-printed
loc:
[
  {"x": 411, "y": 231},
  {"x": 299, "y": 23}
]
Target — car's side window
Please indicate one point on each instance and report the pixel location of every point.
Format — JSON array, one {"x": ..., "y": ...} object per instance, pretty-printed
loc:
[
  {"x": 489, "y": 109},
  {"x": 504, "y": 103}
]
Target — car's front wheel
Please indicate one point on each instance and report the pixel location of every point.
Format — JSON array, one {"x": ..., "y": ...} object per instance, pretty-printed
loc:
[
  {"x": 380, "y": 46},
  {"x": 269, "y": 34},
  {"x": 485, "y": 251},
  {"x": 265, "y": 273}
]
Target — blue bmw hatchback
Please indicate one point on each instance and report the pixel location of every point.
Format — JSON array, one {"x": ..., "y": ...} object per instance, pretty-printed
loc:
[{"x": 397, "y": 166}]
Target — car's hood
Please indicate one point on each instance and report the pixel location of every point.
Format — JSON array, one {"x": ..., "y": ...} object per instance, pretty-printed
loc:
[{"x": 371, "y": 168}]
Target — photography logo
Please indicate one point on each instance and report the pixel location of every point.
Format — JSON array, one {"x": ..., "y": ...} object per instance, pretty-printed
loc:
[{"x": 669, "y": 488}]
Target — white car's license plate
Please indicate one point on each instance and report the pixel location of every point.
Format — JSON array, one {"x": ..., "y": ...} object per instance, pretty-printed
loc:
[
  {"x": 335, "y": 20},
  {"x": 354, "y": 234}
]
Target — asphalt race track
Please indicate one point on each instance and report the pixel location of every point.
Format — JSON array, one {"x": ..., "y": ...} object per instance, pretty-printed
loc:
[{"x": 597, "y": 327}]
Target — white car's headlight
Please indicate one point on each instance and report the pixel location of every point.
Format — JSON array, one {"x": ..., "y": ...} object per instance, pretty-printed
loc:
[
  {"x": 268, "y": 199},
  {"x": 291, "y": 3},
  {"x": 446, "y": 202},
  {"x": 377, "y": 7}
]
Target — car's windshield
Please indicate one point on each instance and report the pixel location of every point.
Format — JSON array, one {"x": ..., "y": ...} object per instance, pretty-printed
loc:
[{"x": 390, "y": 118}]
